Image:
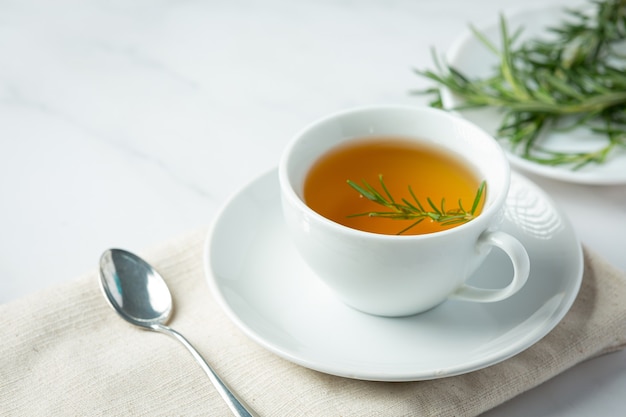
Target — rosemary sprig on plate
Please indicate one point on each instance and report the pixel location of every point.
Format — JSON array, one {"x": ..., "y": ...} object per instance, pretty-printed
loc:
[
  {"x": 575, "y": 79},
  {"x": 414, "y": 210}
]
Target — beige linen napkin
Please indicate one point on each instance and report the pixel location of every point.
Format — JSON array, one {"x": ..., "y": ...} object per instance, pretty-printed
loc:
[{"x": 64, "y": 352}]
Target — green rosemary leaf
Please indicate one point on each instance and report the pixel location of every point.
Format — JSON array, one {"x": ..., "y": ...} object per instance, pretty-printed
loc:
[
  {"x": 479, "y": 196},
  {"x": 382, "y": 184},
  {"x": 365, "y": 193},
  {"x": 433, "y": 206},
  {"x": 577, "y": 74}
]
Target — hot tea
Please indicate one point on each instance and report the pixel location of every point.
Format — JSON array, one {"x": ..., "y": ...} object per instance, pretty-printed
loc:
[{"x": 429, "y": 178}]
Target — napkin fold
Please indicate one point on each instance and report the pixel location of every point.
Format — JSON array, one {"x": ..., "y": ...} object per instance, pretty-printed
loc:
[{"x": 64, "y": 352}]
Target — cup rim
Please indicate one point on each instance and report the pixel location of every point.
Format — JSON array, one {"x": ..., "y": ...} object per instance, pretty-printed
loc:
[{"x": 481, "y": 222}]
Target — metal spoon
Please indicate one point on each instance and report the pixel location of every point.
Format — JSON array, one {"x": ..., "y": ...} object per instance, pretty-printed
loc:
[{"x": 140, "y": 295}]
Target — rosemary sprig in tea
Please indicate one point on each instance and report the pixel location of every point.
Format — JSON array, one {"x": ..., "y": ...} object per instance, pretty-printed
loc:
[
  {"x": 414, "y": 210},
  {"x": 575, "y": 79}
]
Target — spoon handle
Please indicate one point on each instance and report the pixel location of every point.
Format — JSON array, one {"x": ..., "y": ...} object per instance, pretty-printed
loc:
[{"x": 236, "y": 404}]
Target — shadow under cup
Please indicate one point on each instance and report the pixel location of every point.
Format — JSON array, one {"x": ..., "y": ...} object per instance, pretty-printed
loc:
[{"x": 392, "y": 275}]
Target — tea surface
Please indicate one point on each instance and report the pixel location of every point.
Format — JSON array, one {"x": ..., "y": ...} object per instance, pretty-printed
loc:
[{"x": 431, "y": 171}]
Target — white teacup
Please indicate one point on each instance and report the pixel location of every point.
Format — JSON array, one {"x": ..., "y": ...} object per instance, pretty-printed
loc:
[{"x": 399, "y": 275}]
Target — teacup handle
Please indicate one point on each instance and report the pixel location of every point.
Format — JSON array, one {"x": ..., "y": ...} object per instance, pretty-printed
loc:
[{"x": 521, "y": 269}]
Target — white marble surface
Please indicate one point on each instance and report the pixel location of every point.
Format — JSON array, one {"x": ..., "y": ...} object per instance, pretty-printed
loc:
[{"x": 125, "y": 123}]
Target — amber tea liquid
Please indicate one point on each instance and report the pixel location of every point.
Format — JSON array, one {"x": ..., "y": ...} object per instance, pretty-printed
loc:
[{"x": 431, "y": 171}]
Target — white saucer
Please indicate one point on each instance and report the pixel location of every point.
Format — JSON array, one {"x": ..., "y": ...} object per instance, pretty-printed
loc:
[
  {"x": 265, "y": 288},
  {"x": 473, "y": 59}
]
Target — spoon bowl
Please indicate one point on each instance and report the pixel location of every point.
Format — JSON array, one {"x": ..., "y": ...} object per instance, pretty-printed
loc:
[
  {"x": 134, "y": 289},
  {"x": 139, "y": 294}
]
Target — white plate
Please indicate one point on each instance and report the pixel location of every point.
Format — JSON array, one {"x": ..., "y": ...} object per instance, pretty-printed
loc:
[
  {"x": 473, "y": 59},
  {"x": 264, "y": 287}
]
